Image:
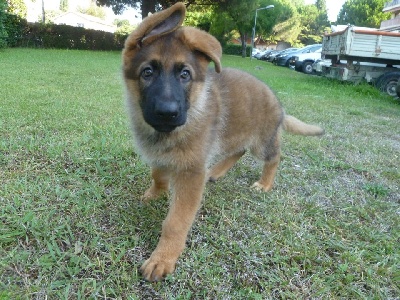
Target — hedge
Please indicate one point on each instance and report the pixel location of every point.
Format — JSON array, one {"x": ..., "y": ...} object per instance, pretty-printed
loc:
[
  {"x": 69, "y": 37},
  {"x": 19, "y": 33},
  {"x": 233, "y": 49},
  {"x": 23, "y": 34},
  {"x": 14, "y": 27}
]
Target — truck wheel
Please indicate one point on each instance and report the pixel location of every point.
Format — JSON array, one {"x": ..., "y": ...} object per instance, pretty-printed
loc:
[
  {"x": 387, "y": 83},
  {"x": 398, "y": 89},
  {"x": 307, "y": 67}
]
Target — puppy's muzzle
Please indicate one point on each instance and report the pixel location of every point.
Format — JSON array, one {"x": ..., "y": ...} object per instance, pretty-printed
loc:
[{"x": 167, "y": 110}]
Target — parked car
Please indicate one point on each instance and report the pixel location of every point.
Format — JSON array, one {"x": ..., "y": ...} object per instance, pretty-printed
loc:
[
  {"x": 270, "y": 56},
  {"x": 261, "y": 53},
  {"x": 265, "y": 54},
  {"x": 255, "y": 52},
  {"x": 283, "y": 59},
  {"x": 303, "y": 62},
  {"x": 282, "y": 53}
]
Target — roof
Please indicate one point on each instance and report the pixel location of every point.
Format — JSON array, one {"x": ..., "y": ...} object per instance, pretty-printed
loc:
[{"x": 88, "y": 18}]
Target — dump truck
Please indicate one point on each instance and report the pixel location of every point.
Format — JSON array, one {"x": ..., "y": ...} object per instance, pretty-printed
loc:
[{"x": 363, "y": 54}]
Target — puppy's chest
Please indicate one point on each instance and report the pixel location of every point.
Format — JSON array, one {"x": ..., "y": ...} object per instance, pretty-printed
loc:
[{"x": 170, "y": 149}]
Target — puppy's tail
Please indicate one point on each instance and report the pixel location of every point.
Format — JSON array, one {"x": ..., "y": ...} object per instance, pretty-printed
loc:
[{"x": 295, "y": 126}]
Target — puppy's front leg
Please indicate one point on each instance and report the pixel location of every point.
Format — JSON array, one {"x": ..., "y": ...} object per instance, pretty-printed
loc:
[
  {"x": 188, "y": 189},
  {"x": 159, "y": 185}
]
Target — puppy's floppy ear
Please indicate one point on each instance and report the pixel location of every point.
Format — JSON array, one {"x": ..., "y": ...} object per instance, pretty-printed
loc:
[
  {"x": 154, "y": 26},
  {"x": 203, "y": 42}
]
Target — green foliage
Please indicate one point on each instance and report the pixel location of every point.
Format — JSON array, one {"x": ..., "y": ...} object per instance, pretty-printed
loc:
[
  {"x": 288, "y": 24},
  {"x": 50, "y": 16},
  {"x": 240, "y": 13},
  {"x": 268, "y": 19},
  {"x": 64, "y": 5},
  {"x": 314, "y": 22},
  {"x": 222, "y": 27},
  {"x": 3, "y": 19},
  {"x": 15, "y": 27},
  {"x": 199, "y": 16},
  {"x": 124, "y": 27},
  {"x": 17, "y": 7},
  {"x": 93, "y": 10},
  {"x": 367, "y": 13}
]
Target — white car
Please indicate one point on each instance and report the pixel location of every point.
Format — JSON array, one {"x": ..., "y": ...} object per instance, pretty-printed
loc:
[{"x": 303, "y": 61}]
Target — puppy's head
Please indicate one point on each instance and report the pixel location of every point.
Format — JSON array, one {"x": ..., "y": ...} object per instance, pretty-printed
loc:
[{"x": 165, "y": 66}]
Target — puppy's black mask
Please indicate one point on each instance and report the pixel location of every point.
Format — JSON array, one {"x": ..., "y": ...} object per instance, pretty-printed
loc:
[{"x": 164, "y": 100}]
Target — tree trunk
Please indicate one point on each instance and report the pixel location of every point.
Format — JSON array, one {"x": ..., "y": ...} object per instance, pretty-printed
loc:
[
  {"x": 148, "y": 6},
  {"x": 43, "y": 13},
  {"x": 243, "y": 39}
]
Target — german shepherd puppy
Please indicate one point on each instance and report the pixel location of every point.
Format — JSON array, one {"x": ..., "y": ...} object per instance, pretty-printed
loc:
[{"x": 186, "y": 118}]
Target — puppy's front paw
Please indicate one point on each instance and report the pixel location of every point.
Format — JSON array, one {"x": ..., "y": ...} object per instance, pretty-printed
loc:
[
  {"x": 151, "y": 194},
  {"x": 261, "y": 187},
  {"x": 156, "y": 268}
]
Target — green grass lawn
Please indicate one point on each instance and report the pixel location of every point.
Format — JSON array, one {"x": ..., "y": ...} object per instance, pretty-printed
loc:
[{"x": 72, "y": 226}]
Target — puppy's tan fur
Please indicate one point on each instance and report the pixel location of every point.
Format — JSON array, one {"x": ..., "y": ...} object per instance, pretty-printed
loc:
[{"x": 230, "y": 112}]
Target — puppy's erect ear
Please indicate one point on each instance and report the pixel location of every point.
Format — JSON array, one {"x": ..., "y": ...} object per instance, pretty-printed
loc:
[
  {"x": 154, "y": 26},
  {"x": 203, "y": 42}
]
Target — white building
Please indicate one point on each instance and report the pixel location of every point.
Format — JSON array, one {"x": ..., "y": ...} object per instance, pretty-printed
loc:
[
  {"x": 77, "y": 19},
  {"x": 394, "y": 23}
]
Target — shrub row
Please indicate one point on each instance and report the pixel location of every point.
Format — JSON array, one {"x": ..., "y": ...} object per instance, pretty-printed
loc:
[
  {"x": 11, "y": 29},
  {"x": 233, "y": 49},
  {"x": 69, "y": 37},
  {"x": 19, "y": 33},
  {"x": 23, "y": 34}
]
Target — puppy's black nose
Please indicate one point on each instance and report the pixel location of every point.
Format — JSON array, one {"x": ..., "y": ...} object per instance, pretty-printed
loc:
[{"x": 166, "y": 109}]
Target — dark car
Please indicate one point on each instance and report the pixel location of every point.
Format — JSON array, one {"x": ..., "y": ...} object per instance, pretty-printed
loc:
[
  {"x": 274, "y": 58},
  {"x": 270, "y": 56},
  {"x": 265, "y": 54},
  {"x": 283, "y": 59}
]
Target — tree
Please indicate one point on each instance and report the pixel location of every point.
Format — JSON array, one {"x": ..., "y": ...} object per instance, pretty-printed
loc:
[
  {"x": 123, "y": 27},
  {"x": 17, "y": 7},
  {"x": 281, "y": 23},
  {"x": 366, "y": 13},
  {"x": 314, "y": 22},
  {"x": 64, "y": 5},
  {"x": 241, "y": 13},
  {"x": 93, "y": 10},
  {"x": 118, "y": 6},
  {"x": 151, "y": 6}
]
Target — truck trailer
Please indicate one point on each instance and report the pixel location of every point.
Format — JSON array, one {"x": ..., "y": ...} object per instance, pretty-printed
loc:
[{"x": 363, "y": 54}]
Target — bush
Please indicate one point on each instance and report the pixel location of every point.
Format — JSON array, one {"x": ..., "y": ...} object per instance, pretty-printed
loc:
[
  {"x": 15, "y": 27},
  {"x": 233, "y": 49},
  {"x": 69, "y": 37},
  {"x": 3, "y": 31}
]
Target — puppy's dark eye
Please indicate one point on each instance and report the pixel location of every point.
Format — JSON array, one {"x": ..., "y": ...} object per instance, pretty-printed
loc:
[
  {"x": 147, "y": 73},
  {"x": 185, "y": 74}
]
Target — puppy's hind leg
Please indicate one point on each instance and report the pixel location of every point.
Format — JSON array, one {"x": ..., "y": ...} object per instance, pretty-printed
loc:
[
  {"x": 268, "y": 174},
  {"x": 222, "y": 167},
  {"x": 272, "y": 155},
  {"x": 159, "y": 185}
]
